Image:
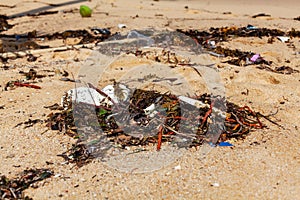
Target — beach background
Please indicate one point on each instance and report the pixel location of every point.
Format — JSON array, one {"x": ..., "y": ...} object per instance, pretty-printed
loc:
[{"x": 265, "y": 165}]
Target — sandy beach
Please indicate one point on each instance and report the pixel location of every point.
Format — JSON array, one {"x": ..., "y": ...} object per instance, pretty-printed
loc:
[{"x": 264, "y": 165}]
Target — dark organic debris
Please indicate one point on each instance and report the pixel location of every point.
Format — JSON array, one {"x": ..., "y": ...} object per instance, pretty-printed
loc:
[
  {"x": 67, "y": 79},
  {"x": 102, "y": 31},
  {"x": 30, "y": 123},
  {"x": 261, "y": 15},
  {"x": 4, "y": 26},
  {"x": 54, "y": 107},
  {"x": 13, "y": 188},
  {"x": 279, "y": 70},
  {"x": 194, "y": 123},
  {"x": 20, "y": 44},
  {"x": 297, "y": 18},
  {"x": 7, "y": 6},
  {"x": 243, "y": 58},
  {"x": 47, "y": 12},
  {"x": 31, "y": 58},
  {"x": 225, "y": 33},
  {"x": 78, "y": 154},
  {"x": 294, "y": 33},
  {"x": 86, "y": 36}
]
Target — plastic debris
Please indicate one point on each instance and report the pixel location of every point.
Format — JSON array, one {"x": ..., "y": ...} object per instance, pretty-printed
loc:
[
  {"x": 225, "y": 144},
  {"x": 93, "y": 97},
  {"x": 211, "y": 44},
  {"x": 150, "y": 110},
  {"x": 283, "y": 38},
  {"x": 83, "y": 95},
  {"x": 255, "y": 57},
  {"x": 122, "y": 26},
  {"x": 250, "y": 27},
  {"x": 102, "y": 31}
]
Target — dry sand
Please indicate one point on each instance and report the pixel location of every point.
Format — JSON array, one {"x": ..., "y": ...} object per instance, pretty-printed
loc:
[{"x": 266, "y": 165}]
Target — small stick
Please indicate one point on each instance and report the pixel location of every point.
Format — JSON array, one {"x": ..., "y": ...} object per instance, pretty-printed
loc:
[
  {"x": 102, "y": 93},
  {"x": 159, "y": 139},
  {"x": 207, "y": 114}
]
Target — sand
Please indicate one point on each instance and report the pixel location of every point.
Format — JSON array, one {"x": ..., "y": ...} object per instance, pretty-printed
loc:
[{"x": 266, "y": 165}]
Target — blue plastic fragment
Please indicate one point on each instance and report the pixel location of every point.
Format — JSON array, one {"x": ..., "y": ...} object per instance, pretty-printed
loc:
[
  {"x": 17, "y": 37},
  {"x": 250, "y": 27},
  {"x": 225, "y": 144}
]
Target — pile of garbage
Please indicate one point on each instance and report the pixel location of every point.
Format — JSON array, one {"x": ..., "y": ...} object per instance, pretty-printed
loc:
[{"x": 143, "y": 117}]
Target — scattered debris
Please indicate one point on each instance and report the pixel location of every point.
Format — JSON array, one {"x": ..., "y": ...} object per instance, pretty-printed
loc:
[
  {"x": 145, "y": 108},
  {"x": 297, "y": 18},
  {"x": 210, "y": 40},
  {"x": 13, "y": 188}
]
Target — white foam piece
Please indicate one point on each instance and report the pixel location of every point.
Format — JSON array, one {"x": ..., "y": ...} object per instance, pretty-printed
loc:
[
  {"x": 84, "y": 95},
  {"x": 91, "y": 96}
]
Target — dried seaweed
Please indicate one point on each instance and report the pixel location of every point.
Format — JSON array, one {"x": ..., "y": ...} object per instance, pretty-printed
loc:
[
  {"x": 279, "y": 70},
  {"x": 13, "y": 188},
  {"x": 78, "y": 154},
  {"x": 238, "y": 57},
  {"x": 86, "y": 36},
  {"x": 225, "y": 33}
]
